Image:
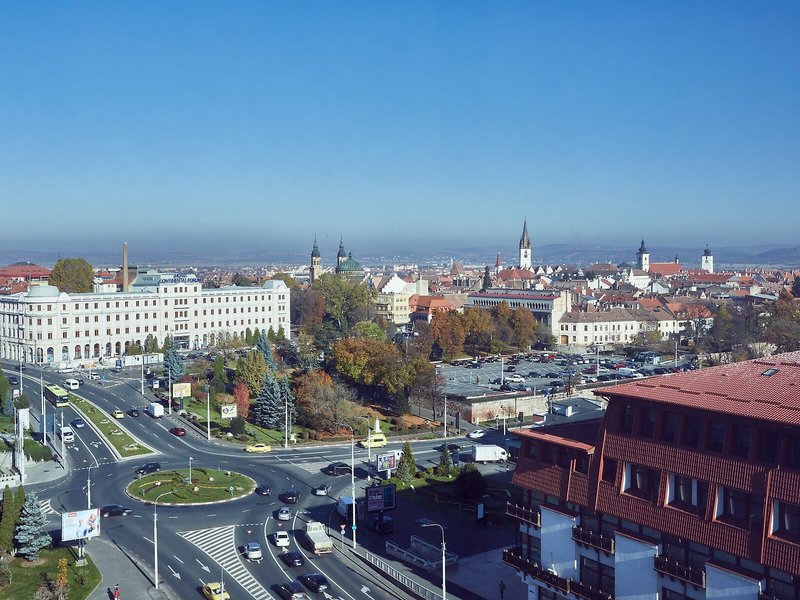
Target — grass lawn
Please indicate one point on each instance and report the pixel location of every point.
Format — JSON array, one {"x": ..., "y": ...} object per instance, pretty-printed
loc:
[
  {"x": 110, "y": 428},
  {"x": 207, "y": 485},
  {"x": 25, "y": 579},
  {"x": 257, "y": 434},
  {"x": 6, "y": 424}
]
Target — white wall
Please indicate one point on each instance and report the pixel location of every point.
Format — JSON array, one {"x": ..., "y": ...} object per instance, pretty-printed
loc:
[
  {"x": 558, "y": 547},
  {"x": 721, "y": 583},
  {"x": 634, "y": 575}
]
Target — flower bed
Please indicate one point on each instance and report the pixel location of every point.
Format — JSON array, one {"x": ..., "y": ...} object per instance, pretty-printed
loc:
[{"x": 207, "y": 485}]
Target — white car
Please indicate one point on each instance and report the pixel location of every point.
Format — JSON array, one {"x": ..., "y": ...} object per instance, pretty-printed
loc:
[
  {"x": 252, "y": 550},
  {"x": 476, "y": 434},
  {"x": 281, "y": 539},
  {"x": 285, "y": 514},
  {"x": 514, "y": 378}
]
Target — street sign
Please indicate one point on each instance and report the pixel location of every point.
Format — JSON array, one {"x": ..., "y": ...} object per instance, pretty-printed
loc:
[
  {"x": 381, "y": 497},
  {"x": 227, "y": 411}
]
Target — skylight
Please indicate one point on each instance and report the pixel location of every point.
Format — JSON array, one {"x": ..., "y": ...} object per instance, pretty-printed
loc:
[{"x": 769, "y": 372}]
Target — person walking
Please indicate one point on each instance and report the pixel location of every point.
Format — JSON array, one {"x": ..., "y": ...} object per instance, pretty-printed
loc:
[{"x": 116, "y": 592}]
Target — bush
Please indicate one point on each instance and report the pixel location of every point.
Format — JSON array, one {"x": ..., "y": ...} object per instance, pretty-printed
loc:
[
  {"x": 237, "y": 426},
  {"x": 304, "y": 435},
  {"x": 317, "y": 436},
  {"x": 36, "y": 452}
]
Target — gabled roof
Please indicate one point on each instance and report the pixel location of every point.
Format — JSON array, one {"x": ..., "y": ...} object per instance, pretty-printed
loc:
[
  {"x": 765, "y": 389},
  {"x": 665, "y": 269},
  {"x": 509, "y": 274}
]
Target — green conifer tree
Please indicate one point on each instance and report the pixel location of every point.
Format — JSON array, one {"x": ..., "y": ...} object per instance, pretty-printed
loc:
[
  {"x": 408, "y": 465},
  {"x": 7, "y": 520},
  {"x": 264, "y": 346},
  {"x": 445, "y": 466},
  {"x": 173, "y": 363},
  {"x": 30, "y": 534}
]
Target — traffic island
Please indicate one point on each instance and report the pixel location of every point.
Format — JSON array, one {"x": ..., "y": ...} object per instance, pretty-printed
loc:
[{"x": 177, "y": 487}]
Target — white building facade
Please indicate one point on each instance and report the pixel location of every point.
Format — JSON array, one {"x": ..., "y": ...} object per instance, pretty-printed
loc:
[{"x": 44, "y": 325}]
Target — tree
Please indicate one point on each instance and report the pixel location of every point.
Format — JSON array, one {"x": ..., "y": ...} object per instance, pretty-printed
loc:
[
  {"x": 796, "y": 286},
  {"x": 61, "y": 583},
  {"x": 150, "y": 344},
  {"x": 241, "y": 280},
  {"x": 22, "y": 402},
  {"x": 72, "y": 275},
  {"x": 237, "y": 426},
  {"x": 346, "y": 302},
  {"x": 268, "y": 408},
  {"x": 287, "y": 279},
  {"x": 220, "y": 380},
  {"x": 19, "y": 503},
  {"x": 250, "y": 370},
  {"x": 470, "y": 482},
  {"x": 8, "y": 400},
  {"x": 368, "y": 330},
  {"x": 133, "y": 349},
  {"x": 523, "y": 324},
  {"x": 479, "y": 328},
  {"x": 407, "y": 467},
  {"x": 242, "y": 397},
  {"x": 30, "y": 534},
  {"x": 7, "y": 521},
  {"x": 321, "y": 402},
  {"x": 308, "y": 309},
  {"x": 5, "y": 392},
  {"x": 264, "y": 346},
  {"x": 173, "y": 363},
  {"x": 445, "y": 466}
]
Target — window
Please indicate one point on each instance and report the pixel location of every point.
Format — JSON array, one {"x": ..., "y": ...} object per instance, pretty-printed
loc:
[
  {"x": 741, "y": 441},
  {"x": 793, "y": 451},
  {"x": 642, "y": 482},
  {"x": 687, "y": 494},
  {"x": 691, "y": 432},
  {"x": 649, "y": 422},
  {"x": 715, "y": 441},
  {"x": 549, "y": 454},
  {"x": 732, "y": 506},
  {"x": 669, "y": 428},
  {"x": 533, "y": 451},
  {"x": 597, "y": 575},
  {"x": 628, "y": 415},
  {"x": 786, "y": 520},
  {"x": 582, "y": 463},
  {"x": 609, "y": 470},
  {"x": 768, "y": 446}
]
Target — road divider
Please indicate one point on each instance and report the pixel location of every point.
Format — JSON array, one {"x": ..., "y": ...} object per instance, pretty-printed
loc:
[{"x": 121, "y": 442}]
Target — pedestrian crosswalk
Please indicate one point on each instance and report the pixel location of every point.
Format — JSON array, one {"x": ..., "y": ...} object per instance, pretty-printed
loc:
[
  {"x": 219, "y": 544},
  {"x": 47, "y": 508}
]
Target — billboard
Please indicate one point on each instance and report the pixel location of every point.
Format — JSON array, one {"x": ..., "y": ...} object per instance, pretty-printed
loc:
[
  {"x": 386, "y": 462},
  {"x": 227, "y": 411},
  {"x": 181, "y": 390},
  {"x": 381, "y": 497},
  {"x": 81, "y": 524}
]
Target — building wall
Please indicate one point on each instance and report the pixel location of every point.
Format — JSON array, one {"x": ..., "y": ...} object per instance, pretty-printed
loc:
[
  {"x": 721, "y": 583},
  {"x": 558, "y": 547},
  {"x": 634, "y": 575}
]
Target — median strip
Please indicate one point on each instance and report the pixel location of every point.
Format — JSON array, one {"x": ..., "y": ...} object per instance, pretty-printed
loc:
[{"x": 122, "y": 442}]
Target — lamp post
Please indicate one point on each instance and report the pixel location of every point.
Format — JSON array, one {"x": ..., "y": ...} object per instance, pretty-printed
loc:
[
  {"x": 141, "y": 358},
  {"x": 286, "y": 420},
  {"x": 169, "y": 400},
  {"x": 43, "y": 425},
  {"x": 352, "y": 479},
  {"x": 190, "y": 469},
  {"x": 208, "y": 413},
  {"x": 444, "y": 556},
  {"x": 155, "y": 536}
]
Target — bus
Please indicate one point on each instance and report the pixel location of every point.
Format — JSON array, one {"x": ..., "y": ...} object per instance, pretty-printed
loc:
[{"x": 57, "y": 395}]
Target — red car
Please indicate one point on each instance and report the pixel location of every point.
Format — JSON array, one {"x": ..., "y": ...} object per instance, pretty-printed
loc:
[{"x": 179, "y": 431}]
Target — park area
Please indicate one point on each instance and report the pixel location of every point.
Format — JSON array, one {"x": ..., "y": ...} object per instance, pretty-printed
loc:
[
  {"x": 26, "y": 577},
  {"x": 206, "y": 485}
]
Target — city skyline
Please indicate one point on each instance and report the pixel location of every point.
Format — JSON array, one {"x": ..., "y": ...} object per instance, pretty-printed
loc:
[{"x": 201, "y": 126}]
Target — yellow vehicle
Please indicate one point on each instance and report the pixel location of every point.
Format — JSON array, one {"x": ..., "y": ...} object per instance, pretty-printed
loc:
[
  {"x": 215, "y": 591},
  {"x": 117, "y": 414},
  {"x": 375, "y": 440},
  {"x": 258, "y": 448}
]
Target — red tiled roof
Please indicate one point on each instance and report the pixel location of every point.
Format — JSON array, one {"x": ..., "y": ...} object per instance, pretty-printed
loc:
[
  {"x": 507, "y": 274},
  {"x": 741, "y": 389},
  {"x": 554, "y": 439},
  {"x": 24, "y": 271},
  {"x": 511, "y": 296},
  {"x": 665, "y": 269},
  {"x": 650, "y": 303}
]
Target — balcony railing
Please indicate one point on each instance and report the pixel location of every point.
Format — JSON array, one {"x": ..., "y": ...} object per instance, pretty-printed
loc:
[
  {"x": 671, "y": 568},
  {"x": 524, "y": 513},
  {"x": 513, "y": 557},
  {"x": 585, "y": 591},
  {"x": 587, "y": 537}
]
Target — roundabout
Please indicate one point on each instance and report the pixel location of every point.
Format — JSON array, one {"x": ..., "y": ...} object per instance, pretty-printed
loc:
[{"x": 176, "y": 488}]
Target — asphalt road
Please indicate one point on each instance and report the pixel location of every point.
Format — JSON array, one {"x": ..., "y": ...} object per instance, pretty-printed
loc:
[{"x": 197, "y": 544}]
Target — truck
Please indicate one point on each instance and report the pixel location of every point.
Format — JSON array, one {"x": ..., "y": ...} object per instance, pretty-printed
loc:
[
  {"x": 67, "y": 434},
  {"x": 487, "y": 453},
  {"x": 317, "y": 538},
  {"x": 155, "y": 410}
]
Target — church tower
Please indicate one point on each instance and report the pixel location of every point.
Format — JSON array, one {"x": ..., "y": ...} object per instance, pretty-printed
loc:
[
  {"x": 707, "y": 261},
  {"x": 316, "y": 263},
  {"x": 525, "y": 248},
  {"x": 498, "y": 264},
  {"x": 644, "y": 258},
  {"x": 342, "y": 255}
]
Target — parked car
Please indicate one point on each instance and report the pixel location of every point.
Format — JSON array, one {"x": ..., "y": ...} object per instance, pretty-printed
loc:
[
  {"x": 78, "y": 423},
  {"x": 293, "y": 559},
  {"x": 476, "y": 434},
  {"x": 115, "y": 510},
  {"x": 515, "y": 379},
  {"x": 316, "y": 582},
  {"x": 179, "y": 431},
  {"x": 281, "y": 539},
  {"x": 322, "y": 490},
  {"x": 264, "y": 490},
  {"x": 534, "y": 374},
  {"x": 284, "y": 513}
]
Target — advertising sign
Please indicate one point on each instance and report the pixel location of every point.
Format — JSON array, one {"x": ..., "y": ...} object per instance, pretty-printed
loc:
[
  {"x": 386, "y": 462},
  {"x": 227, "y": 411},
  {"x": 381, "y": 497},
  {"x": 81, "y": 524},
  {"x": 181, "y": 390}
]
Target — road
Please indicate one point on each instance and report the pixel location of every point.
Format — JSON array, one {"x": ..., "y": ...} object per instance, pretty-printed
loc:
[{"x": 202, "y": 543}]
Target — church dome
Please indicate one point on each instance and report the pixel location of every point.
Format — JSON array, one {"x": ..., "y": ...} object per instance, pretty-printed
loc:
[{"x": 349, "y": 266}]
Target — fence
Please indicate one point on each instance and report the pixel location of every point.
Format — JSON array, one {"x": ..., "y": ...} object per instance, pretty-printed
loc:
[{"x": 402, "y": 579}]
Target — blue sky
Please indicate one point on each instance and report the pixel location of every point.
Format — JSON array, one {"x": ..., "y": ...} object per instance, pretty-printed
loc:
[{"x": 244, "y": 125}]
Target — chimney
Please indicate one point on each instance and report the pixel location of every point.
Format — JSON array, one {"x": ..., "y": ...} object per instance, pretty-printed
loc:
[{"x": 124, "y": 266}]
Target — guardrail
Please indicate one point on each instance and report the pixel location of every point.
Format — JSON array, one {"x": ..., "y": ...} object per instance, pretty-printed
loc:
[{"x": 408, "y": 583}]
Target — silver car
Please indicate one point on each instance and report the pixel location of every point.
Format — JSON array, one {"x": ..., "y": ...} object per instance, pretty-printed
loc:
[{"x": 285, "y": 514}]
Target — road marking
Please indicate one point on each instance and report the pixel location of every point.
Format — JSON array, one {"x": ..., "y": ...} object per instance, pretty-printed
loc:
[
  {"x": 47, "y": 508},
  {"x": 148, "y": 539},
  {"x": 202, "y": 566},
  {"x": 178, "y": 559},
  {"x": 174, "y": 572},
  {"x": 218, "y": 544}
]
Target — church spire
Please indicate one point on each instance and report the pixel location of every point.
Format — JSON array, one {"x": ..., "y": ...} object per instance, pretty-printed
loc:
[{"x": 525, "y": 247}]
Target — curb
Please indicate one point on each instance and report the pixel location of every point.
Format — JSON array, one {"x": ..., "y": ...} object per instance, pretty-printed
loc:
[{"x": 231, "y": 499}]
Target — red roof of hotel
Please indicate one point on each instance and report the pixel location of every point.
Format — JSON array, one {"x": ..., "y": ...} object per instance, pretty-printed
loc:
[{"x": 766, "y": 389}]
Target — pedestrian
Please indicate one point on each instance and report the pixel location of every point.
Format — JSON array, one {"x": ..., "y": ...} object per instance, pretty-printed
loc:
[
  {"x": 502, "y": 588},
  {"x": 116, "y": 592}
]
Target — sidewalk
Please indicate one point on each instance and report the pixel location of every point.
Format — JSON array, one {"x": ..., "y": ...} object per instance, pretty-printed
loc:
[{"x": 118, "y": 567}]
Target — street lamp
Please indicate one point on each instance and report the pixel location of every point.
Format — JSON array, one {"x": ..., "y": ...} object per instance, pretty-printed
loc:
[
  {"x": 190, "y": 470},
  {"x": 352, "y": 478},
  {"x": 43, "y": 425},
  {"x": 155, "y": 534},
  {"x": 444, "y": 556},
  {"x": 208, "y": 413}
]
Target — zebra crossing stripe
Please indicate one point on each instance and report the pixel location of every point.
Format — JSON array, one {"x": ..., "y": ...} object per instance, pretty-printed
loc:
[
  {"x": 47, "y": 508},
  {"x": 218, "y": 544}
]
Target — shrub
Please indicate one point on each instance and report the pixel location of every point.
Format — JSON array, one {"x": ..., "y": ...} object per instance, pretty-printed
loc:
[
  {"x": 317, "y": 436},
  {"x": 237, "y": 426},
  {"x": 36, "y": 452},
  {"x": 304, "y": 435}
]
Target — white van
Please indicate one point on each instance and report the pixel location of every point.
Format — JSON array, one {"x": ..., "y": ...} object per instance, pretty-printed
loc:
[
  {"x": 67, "y": 434},
  {"x": 72, "y": 384}
]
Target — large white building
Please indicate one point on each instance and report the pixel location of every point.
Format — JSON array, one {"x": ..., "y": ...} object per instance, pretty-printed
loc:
[
  {"x": 46, "y": 325},
  {"x": 547, "y": 306}
]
